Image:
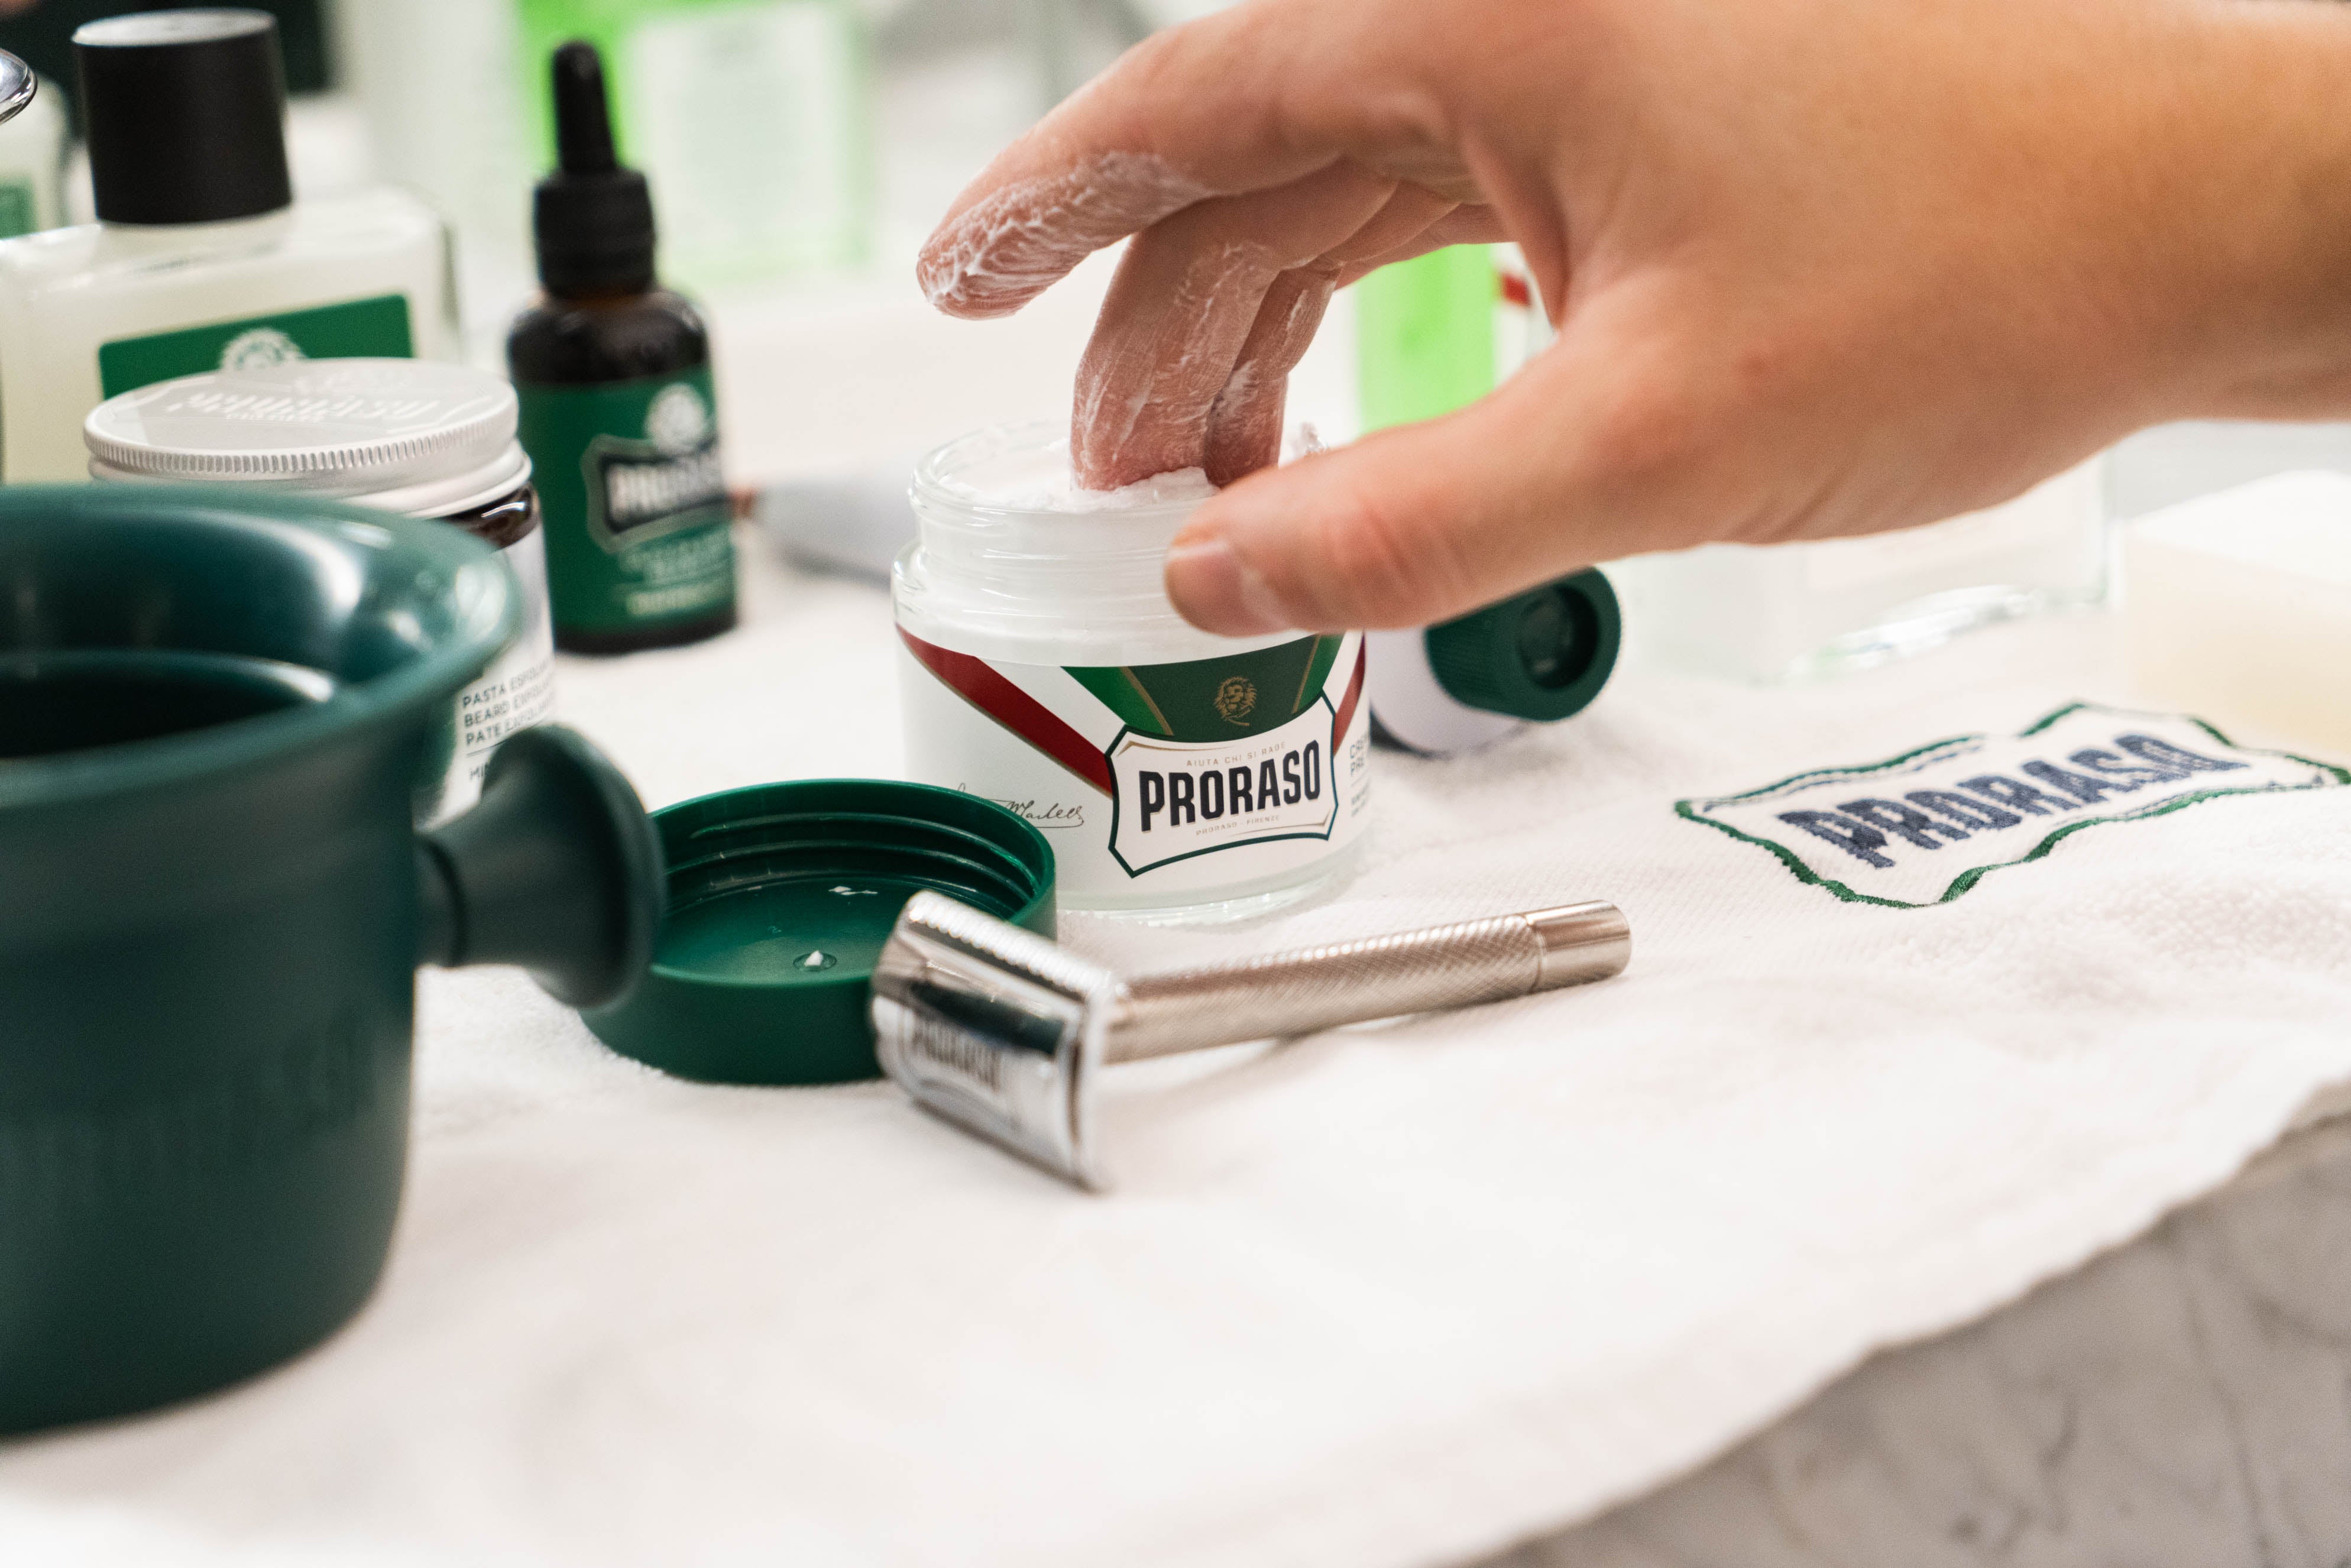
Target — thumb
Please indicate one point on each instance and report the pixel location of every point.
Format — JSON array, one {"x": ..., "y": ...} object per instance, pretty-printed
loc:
[{"x": 1557, "y": 469}]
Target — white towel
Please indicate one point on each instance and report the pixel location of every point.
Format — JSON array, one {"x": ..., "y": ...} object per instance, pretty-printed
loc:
[{"x": 1389, "y": 1297}]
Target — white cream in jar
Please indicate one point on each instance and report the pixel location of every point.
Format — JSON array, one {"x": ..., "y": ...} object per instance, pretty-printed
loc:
[{"x": 1176, "y": 773}]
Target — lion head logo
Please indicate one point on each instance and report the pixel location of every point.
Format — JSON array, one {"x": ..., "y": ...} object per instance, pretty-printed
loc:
[
  {"x": 259, "y": 347},
  {"x": 1235, "y": 699},
  {"x": 678, "y": 422}
]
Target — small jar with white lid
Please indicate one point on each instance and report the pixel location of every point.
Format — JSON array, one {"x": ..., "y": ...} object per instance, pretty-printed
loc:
[
  {"x": 1177, "y": 774},
  {"x": 412, "y": 436}
]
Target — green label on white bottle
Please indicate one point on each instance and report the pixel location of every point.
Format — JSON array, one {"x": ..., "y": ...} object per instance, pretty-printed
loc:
[
  {"x": 19, "y": 209},
  {"x": 377, "y": 326},
  {"x": 638, "y": 521}
]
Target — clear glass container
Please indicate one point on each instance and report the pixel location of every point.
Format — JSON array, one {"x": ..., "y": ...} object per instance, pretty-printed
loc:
[
  {"x": 1797, "y": 611},
  {"x": 1178, "y": 775}
]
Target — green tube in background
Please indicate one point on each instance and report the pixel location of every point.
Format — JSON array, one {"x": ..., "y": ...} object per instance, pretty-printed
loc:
[{"x": 1424, "y": 336}]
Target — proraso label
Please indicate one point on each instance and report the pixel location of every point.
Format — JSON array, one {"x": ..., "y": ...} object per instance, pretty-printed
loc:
[
  {"x": 375, "y": 327},
  {"x": 1176, "y": 779},
  {"x": 19, "y": 208},
  {"x": 515, "y": 692},
  {"x": 634, "y": 496}
]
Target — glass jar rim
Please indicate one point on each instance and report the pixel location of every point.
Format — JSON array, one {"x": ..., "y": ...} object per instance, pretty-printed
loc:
[{"x": 937, "y": 477}]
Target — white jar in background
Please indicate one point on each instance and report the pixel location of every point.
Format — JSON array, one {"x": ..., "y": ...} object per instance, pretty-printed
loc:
[
  {"x": 410, "y": 436},
  {"x": 201, "y": 258},
  {"x": 2174, "y": 463},
  {"x": 1177, "y": 775}
]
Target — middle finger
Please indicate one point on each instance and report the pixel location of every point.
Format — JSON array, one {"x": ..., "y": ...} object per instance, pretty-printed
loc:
[{"x": 1182, "y": 308}]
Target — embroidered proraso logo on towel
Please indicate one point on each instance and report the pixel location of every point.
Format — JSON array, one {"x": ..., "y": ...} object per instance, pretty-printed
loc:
[{"x": 1923, "y": 827}]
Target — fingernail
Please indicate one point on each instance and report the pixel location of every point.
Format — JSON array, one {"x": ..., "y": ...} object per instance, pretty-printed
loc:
[{"x": 1215, "y": 590}]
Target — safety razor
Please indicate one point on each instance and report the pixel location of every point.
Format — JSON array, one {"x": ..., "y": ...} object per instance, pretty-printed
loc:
[{"x": 1000, "y": 1032}]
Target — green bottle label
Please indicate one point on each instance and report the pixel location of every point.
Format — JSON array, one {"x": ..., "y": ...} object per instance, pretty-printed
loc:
[
  {"x": 635, "y": 506},
  {"x": 375, "y": 327},
  {"x": 16, "y": 208}
]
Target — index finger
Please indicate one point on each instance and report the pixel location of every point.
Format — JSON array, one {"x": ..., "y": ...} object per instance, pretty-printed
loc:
[{"x": 1236, "y": 102}]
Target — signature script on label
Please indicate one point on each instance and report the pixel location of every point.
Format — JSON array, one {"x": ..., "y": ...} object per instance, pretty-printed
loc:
[{"x": 1038, "y": 813}]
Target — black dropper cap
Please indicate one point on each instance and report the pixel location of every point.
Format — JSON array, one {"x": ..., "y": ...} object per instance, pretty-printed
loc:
[
  {"x": 595, "y": 220},
  {"x": 185, "y": 112}
]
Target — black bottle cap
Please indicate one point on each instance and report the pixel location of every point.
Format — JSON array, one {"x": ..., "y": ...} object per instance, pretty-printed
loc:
[
  {"x": 186, "y": 113},
  {"x": 593, "y": 219}
]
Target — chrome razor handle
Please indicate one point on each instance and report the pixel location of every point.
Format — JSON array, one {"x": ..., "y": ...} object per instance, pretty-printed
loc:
[
  {"x": 1314, "y": 988},
  {"x": 1000, "y": 1032}
]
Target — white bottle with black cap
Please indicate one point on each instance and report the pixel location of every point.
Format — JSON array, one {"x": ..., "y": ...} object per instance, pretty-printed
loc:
[{"x": 201, "y": 259}]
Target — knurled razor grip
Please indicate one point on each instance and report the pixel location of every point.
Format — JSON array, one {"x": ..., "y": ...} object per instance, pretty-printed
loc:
[{"x": 1001, "y": 1032}]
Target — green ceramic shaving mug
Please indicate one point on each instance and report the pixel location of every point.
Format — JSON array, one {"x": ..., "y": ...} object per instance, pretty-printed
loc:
[{"x": 212, "y": 706}]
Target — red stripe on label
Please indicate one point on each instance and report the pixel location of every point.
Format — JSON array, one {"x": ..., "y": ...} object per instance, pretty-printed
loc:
[
  {"x": 1347, "y": 705},
  {"x": 977, "y": 683},
  {"x": 1516, "y": 292}
]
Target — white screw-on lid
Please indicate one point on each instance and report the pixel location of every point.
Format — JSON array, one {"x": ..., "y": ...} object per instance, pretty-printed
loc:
[{"x": 406, "y": 435}]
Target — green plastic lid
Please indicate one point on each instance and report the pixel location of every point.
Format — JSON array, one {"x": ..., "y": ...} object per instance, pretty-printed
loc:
[
  {"x": 1542, "y": 655},
  {"x": 780, "y": 897}
]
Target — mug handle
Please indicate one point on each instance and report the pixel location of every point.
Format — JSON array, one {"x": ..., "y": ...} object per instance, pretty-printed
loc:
[{"x": 555, "y": 868}]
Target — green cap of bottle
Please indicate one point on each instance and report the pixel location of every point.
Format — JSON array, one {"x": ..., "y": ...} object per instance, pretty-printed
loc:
[{"x": 1542, "y": 654}]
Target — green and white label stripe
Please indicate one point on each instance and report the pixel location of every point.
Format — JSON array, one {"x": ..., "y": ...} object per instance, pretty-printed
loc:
[
  {"x": 1078, "y": 715},
  {"x": 1001, "y": 692}
]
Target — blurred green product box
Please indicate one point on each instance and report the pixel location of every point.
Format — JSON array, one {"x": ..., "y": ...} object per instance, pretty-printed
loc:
[{"x": 753, "y": 118}]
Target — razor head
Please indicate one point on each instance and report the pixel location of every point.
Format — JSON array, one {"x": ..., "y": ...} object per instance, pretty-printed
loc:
[{"x": 995, "y": 1030}]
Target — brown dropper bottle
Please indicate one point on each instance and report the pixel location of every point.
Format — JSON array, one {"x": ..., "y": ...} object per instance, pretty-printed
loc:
[{"x": 618, "y": 411}]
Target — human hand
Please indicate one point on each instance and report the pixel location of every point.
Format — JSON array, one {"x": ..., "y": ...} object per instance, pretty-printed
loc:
[{"x": 1818, "y": 266}]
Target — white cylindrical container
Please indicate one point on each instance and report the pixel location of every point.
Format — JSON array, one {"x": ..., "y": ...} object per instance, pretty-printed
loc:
[
  {"x": 410, "y": 436},
  {"x": 1177, "y": 774},
  {"x": 1535, "y": 657}
]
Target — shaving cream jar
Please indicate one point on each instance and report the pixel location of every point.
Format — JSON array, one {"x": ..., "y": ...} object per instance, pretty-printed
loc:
[
  {"x": 1176, "y": 774},
  {"x": 412, "y": 436}
]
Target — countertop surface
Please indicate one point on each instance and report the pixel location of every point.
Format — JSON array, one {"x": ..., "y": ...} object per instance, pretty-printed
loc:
[{"x": 2183, "y": 1402}]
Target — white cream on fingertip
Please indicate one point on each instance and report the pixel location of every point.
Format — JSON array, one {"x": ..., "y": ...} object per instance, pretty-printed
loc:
[{"x": 1021, "y": 238}]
